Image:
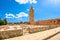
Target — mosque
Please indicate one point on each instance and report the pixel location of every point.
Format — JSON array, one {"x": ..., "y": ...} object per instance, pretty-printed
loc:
[{"x": 42, "y": 22}]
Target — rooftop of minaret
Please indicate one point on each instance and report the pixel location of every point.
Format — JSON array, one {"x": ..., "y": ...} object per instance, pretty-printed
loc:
[{"x": 31, "y": 7}]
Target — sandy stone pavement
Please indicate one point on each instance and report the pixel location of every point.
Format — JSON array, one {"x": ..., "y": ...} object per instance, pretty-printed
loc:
[
  {"x": 57, "y": 37},
  {"x": 39, "y": 35}
]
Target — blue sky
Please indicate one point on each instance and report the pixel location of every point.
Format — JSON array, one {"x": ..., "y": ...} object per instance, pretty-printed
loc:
[{"x": 18, "y": 10}]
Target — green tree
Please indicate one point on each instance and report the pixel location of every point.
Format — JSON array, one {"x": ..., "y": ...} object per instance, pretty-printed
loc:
[
  {"x": 1, "y": 22},
  {"x": 21, "y": 22},
  {"x": 5, "y": 21}
]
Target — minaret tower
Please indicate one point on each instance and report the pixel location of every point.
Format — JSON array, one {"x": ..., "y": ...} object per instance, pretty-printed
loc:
[{"x": 31, "y": 16}]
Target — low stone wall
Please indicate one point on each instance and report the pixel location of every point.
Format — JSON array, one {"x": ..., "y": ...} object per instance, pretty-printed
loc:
[
  {"x": 10, "y": 33},
  {"x": 41, "y": 28}
]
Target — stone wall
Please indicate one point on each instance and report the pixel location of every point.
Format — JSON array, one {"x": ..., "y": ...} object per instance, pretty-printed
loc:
[
  {"x": 48, "y": 22},
  {"x": 41, "y": 28},
  {"x": 10, "y": 33},
  {"x": 31, "y": 29}
]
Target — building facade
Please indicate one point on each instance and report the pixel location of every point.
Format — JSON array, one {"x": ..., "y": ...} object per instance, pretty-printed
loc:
[{"x": 48, "y": 22}]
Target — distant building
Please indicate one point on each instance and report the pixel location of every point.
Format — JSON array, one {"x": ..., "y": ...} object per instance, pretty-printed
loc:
[
  {"x": 42, "y": 22},
  {"x": 48, "y": 22},
  {"x": 31, "y": 16}
]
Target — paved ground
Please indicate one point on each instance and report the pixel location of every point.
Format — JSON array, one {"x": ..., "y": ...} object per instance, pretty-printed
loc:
[
  {"x": 56, "y": 37},
  {"x": 39, "y": 35}
]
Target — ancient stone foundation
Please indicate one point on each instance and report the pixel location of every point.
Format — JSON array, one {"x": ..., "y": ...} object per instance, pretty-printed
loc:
[
  {"x": 15, "y": 33},
  {"x": 11, "y": 33}
]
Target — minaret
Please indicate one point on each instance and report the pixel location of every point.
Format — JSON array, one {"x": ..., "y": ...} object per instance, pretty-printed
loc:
[{"x": 31, "y": 16}]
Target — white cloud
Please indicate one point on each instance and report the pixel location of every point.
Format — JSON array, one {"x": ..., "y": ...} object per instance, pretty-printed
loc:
[
  {"x": 10, "y": 15},
  {"x": 33, "y": 1},
  {"x": 26, "y": 1},
  {"x": 20, "y": 15}
]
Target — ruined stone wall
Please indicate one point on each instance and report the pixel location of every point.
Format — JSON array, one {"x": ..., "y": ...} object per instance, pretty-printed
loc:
[
  {"x": 37, "y": 29},
  {"x": 10, "y": 33},
  {"x": 31, "y": 29}
]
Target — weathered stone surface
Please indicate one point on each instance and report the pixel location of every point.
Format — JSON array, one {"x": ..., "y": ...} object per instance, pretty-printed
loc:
[{"x": 7, "y": 34}]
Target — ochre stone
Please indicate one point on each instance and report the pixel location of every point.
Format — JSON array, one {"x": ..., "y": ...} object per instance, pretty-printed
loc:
[{"x": 31, "y": 16}]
